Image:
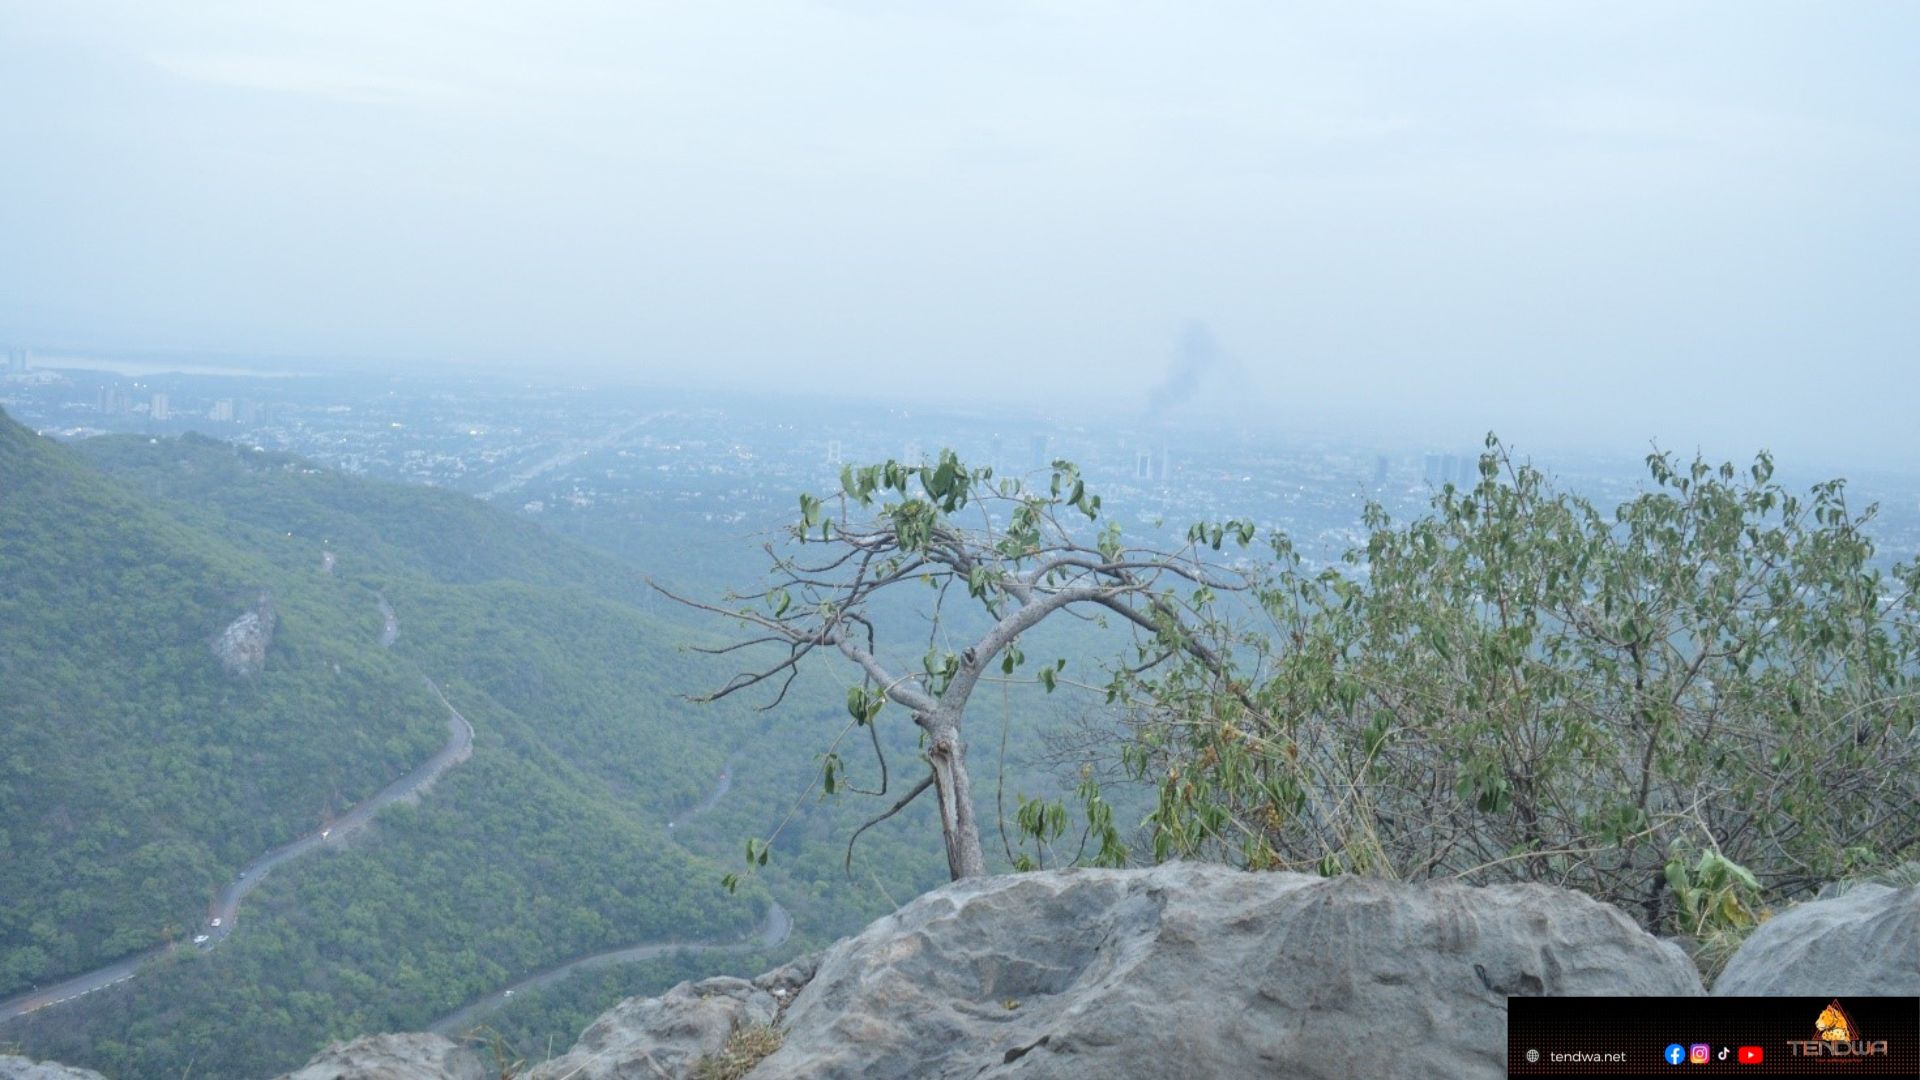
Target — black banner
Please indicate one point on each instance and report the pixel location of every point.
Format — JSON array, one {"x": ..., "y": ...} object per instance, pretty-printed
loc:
[{"x": 1713, "y": 1036}]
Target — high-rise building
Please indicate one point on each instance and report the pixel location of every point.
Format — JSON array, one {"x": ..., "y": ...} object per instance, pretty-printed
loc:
[
  {"x": 222, "y": 411},
  {"x": 1037, "y": 453},
  {"x": 833, "y": 451},
  {"x": 1380, "y": 471},
  {"x": 1148, "y": 465},
  {"x": 247, "y": 412},
  {"x": 158, "y": 409},
  {"x": 17, "y": 359}
]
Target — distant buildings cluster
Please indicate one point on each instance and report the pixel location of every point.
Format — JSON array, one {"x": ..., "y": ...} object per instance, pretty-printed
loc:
[
  {"x": 115, "y": 399},
  {"x": 1460, "y": 470},
  {"x": 619, "y": 466},
  {"x": 1151, "y": 466}
]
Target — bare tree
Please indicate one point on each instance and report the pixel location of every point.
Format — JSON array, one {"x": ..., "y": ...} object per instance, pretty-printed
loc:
[{"x": 1026, "y": 559}]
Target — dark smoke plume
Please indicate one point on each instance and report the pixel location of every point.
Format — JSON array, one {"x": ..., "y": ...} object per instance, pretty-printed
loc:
[{"x": 1198, "y": 355}]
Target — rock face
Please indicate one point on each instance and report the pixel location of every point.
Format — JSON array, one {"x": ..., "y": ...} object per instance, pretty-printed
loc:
[
  {"x": 1189, "y": 970},
  {"x": 664, "y": 1036},
  {"x": 19, "y": 1068},
  {"x": 242, "y": 646},
  {"x": 1864, "y": 941},
  {"x": 1183, "y": 970},
  {"x": 393, "y": 1057}
]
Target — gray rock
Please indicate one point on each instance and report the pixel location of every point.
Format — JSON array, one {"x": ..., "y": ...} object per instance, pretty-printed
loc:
[
  {"x": 1898, "y": 877},
  {"x": 785, "y": 981},
  {"x": 1191, "y": 970},
  {"x": 659, "y": 1037},
  {"x": 242, "y": 646},
  {"x": 19, "y": 1068},
  {"x": 1863, "y": 941},
  {"x": 393, "y": 1057}
]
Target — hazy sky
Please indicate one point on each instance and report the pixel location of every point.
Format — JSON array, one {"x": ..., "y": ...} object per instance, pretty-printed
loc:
[{"x": 1607, "y": 222}]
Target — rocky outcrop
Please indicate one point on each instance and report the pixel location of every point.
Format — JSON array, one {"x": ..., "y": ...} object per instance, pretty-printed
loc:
[
  {"x": 19, "y": 1068},
  {"x": 393, "y": 1057},
  {"x": 242, "y": 647},
  {"x": 1178, "y": 971},
  {"x": 665, "y": 1036},
  {"x": 1863, "y": 941},
  {"x": 1191, "y": 970}
]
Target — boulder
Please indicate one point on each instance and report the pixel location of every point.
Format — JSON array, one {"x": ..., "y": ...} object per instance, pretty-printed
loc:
[
  {"x": 1863, "y": 941},
  {"x": 663, "y": 1036},
  {"x": 19, "y": 1068},
  {"x": 242, "y": 647},
  {"x": 1191, "y": 970},
  {"x": 393, "y": 1057}
]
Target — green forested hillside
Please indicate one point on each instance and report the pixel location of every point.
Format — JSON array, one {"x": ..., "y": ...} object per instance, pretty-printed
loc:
[
  {"x": 550, "y": 843},
  {"x": 289, "y": 507},
  {"x": 135, "y": 774}
]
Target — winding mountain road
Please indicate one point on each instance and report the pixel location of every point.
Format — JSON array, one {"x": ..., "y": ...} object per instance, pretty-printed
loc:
[
  {"x": 225, "y": 909},
  {"x": 774, "y": 931},
  {"x": 226, "y": 906}
]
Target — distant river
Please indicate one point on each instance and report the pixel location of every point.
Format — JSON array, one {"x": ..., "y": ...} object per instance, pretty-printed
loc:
[{"x": 157, "y": 367}]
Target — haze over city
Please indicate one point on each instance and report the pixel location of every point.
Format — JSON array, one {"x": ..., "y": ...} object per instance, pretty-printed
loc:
[
  {"x": 790, "y": 539},
  {"x": 1599, "y": 224}
]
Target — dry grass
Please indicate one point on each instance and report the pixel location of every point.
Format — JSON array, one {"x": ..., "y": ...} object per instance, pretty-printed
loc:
[
  {"x": 506, "y": 1060},
  {"x": 1712, "y": 950},
  {"x": 745, "y": 1048}
]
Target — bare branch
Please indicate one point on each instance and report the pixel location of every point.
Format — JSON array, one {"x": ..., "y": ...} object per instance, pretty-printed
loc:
[
  {"x": 898, "y": 688},
  {"x": 918, "y": 788},
  {"x": 1024, "y": 618}
]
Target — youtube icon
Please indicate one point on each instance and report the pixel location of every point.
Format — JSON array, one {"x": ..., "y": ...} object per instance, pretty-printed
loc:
[{"x": 1751, "y": 1055}]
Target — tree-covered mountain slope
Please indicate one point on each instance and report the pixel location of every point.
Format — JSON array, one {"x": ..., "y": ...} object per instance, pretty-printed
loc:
[
  {"x": 136, "y": 773},
  {"x": 291, "y": 508},
  {"x": 551, "y": 842}
]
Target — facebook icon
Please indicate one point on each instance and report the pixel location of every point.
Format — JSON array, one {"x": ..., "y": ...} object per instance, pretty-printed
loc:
[{"x": 1676, "y": 1054}]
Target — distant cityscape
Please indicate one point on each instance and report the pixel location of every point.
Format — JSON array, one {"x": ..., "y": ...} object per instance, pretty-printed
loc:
[{"x": 598, "y": 460}]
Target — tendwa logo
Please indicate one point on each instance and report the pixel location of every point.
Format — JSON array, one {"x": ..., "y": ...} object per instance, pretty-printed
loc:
[{"x": 1835, "y": 1036}]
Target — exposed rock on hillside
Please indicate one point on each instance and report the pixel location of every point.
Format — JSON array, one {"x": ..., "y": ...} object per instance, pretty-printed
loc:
[
  {"x": 1183, "y": 970},
  {"x": 242, "y": 646},
  {"x": 393, "y": 1057},
  {"x": 1192, "y": 970},
  {"x": 665, "y": 1036},
  {"x": 1864, "y": 941},
  {"x": 19, "y": 1068}
]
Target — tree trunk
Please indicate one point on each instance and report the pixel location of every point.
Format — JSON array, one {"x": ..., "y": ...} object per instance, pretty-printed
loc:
[{"x": 957, "y": 825}]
